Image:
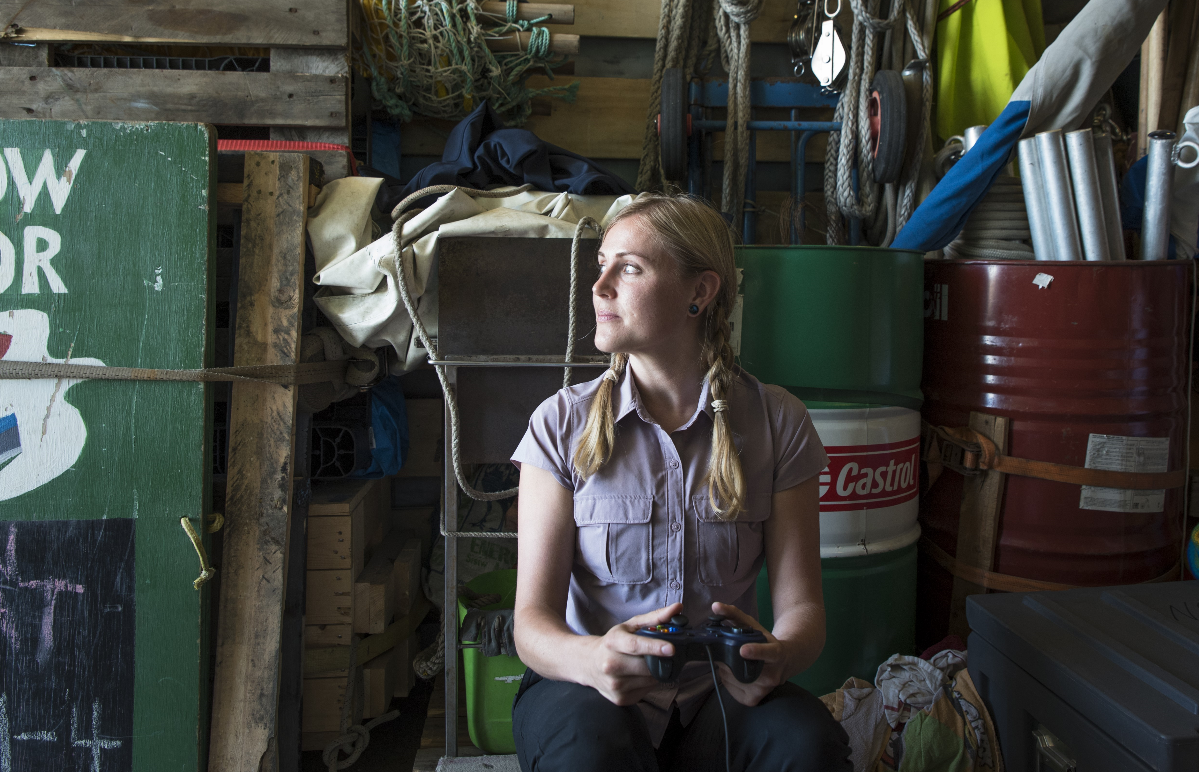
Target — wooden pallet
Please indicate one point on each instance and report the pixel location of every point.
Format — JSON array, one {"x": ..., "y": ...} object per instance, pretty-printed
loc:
[
  {"x": 432, "y": 739},
  {"x": 305, "y": 97}
]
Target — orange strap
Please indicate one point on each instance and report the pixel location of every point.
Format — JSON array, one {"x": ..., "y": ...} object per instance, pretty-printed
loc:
[
  {"x": 1006, "y": 582},
  {"x": 989, "y": 458}
]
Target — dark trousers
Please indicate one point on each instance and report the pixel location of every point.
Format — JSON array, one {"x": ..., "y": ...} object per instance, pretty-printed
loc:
[{"x": 560, "y": 727}]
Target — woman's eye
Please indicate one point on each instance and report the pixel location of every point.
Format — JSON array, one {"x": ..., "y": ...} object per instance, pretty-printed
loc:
[{"x": 629, "y": 268}]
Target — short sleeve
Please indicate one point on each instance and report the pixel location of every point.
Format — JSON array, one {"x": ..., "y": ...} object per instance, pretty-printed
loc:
[
  {"x": 546, "y": 444},
  {"x": 798, "y": 453}
]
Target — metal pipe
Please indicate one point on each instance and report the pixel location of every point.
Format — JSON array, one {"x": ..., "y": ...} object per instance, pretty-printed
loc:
[
  {"x": 1080, "y": 147},
  {"x": 1034, "y": 199},
  {"x": 1059, "y": 198},
  {"x": 1159, "y": 184},
  {"x": 971, "y": 135},
  {"x": 1105, "y": 167}
]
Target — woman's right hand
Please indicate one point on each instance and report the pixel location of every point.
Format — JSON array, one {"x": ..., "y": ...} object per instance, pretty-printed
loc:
[{"x": 617, "y": 666}]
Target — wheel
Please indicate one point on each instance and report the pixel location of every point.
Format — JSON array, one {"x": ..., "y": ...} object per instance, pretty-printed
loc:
[
  {"x": 888, "y": 124},
  {"x": 672, "y": 126}
]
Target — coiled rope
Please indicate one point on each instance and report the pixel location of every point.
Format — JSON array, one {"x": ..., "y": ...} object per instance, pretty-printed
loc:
[
  {"x": 998, "y": 227},
  {"x": 732, "y": 28},
  {"x": 851, "y": 147},
  {"x": 431, "y": 57},
  {"x": 400, "y": 216}
]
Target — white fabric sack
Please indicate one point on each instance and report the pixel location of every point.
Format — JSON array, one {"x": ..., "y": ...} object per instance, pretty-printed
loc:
[{"x": 360, "y": 293}]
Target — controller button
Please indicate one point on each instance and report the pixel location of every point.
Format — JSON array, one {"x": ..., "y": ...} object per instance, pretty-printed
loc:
[
  {"x": 679, "y": 620},
  {"x": 714, "y": 620}
]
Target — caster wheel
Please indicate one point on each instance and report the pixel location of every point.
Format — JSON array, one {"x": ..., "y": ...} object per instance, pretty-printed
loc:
[
  {"x": 673, "y": 125},
  {"x": 888, "y": 124}
]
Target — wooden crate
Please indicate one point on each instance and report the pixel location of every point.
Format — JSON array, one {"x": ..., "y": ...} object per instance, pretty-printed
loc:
[
  {"x": 388, "y": 584},
  {"x": 345, "y": 520},
  {"x": 305, "y": 97}
]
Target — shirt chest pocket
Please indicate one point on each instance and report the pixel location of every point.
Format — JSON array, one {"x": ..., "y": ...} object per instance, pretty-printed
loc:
[
  {"x": 729, "y": 552},
  {"x": 615, "y": 537}
]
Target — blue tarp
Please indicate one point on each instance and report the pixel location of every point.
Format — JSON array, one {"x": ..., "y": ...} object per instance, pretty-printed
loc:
[{"x": 482, "y": 153}]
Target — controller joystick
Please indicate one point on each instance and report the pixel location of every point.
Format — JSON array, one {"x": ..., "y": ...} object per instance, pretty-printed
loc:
[{"x": 692, "y": 644}]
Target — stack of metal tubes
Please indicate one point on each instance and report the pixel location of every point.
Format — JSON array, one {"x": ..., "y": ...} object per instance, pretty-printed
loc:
[
  {"x": 1070, "y": 190},
  {"x": 998, "y": 228}
]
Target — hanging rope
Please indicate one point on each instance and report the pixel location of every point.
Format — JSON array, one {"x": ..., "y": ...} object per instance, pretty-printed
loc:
[
  {"x": 687, "y": 41},
  {"x": 400, "y": 216},
  {"x": 431, "y": 57},
  {"x": 851, "y": 147},
  {"x": 732, "y": 28}
]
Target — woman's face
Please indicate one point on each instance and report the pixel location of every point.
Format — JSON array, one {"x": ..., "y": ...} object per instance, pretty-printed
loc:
[{"x": 641, "y": 302}]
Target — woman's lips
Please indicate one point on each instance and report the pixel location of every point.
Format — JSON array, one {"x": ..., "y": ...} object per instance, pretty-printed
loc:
[{"x": 603, "y": 316}]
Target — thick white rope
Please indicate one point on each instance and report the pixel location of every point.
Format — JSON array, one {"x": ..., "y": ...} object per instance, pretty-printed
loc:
[
  {"x": 451, "y": 401},
  {"x": 584, "y": 222},
  {"x": 732, "y": 29},
  {"x": 851, "y": 147},
  {"x": 998, "y": 228}
]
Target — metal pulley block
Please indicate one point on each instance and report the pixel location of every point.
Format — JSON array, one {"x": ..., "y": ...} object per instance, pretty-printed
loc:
[
  {"x": 828, "y": 58},
  {"x": 802, "y": 36}
]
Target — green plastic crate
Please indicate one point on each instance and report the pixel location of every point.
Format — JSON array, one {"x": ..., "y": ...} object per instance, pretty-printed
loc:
[{"x": 491, "y": 682}]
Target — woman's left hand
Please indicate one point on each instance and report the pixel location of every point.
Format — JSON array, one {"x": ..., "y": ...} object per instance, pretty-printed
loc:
[{"x": 773, "y": 653}]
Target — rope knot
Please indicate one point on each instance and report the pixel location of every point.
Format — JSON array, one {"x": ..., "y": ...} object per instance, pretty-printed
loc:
[
  {"x": 720, "y": 405},
  {"x": 610, "y": 375}
]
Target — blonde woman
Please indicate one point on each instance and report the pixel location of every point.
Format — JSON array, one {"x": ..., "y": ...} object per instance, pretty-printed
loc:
[{"x": 659, "y": 489}]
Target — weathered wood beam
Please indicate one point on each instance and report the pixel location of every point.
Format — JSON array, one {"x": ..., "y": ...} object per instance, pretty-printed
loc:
[{"x": 270, "y": 294}]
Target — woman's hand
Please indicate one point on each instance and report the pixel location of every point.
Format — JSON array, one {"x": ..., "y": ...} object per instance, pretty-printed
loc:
[
  {"x": 774, "y": 653},
  {"x": 617, "y": 666}
]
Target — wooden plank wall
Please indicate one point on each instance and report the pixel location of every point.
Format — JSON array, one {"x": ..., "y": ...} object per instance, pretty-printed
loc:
[{"x": 607, "y": 120}]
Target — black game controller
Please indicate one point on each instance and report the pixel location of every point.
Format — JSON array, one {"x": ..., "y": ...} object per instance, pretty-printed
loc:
[{"x": 692, "y": 644}]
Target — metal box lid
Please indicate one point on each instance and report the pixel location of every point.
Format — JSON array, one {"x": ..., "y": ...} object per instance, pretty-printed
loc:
[{"x": 1126, "y": 658}]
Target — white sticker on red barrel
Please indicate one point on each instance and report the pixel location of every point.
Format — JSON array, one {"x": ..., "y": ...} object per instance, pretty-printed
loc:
[{"x": 870, "y": 476}]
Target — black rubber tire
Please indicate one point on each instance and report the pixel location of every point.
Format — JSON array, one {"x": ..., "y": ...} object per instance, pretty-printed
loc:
[
  {"x": 889, "y": 148},
  {"x": 672, "y": 128}
]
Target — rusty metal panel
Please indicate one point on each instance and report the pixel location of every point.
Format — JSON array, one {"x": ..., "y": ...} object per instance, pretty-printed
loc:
[
  {"x": 495, "y": 403},
  {"x": 508, "y": 296}
]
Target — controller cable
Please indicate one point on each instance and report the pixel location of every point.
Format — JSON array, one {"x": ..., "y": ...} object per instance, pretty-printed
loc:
[{"x": 724, "y": 718}]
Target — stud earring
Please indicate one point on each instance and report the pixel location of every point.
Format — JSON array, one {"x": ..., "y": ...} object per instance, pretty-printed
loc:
[{"x": 694, "y": 309}]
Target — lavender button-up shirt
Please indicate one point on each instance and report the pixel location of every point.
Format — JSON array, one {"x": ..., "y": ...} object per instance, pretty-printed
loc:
[{"x": 646, "y": 534}]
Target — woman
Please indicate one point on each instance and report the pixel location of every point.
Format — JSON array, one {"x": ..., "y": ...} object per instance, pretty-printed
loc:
[{"x": 655, "y": 490}]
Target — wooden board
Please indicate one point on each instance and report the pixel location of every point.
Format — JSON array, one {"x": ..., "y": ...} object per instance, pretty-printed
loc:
[
  {"x": 270, "y": 291},
  {"x": 329, "y": 658},
  {"x": 432, "y": 739},
  {"x": 379, "y": 683},
  {"x": 237, "y": 98},
  {"x": 195, "y": 22},
  {"x": 388, "y": 584},
  {"x": 639, "y": 19},
  {"x": 330, "y": 598},
  {"x": 99, "y": 617},
  {"x": 978, "y": 527},
  {"x": 337, "y": 542}
]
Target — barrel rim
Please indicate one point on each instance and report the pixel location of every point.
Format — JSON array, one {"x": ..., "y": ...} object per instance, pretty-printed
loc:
[
  {"x": 1050, "y": 264},
  {"x": 828, "y": 248}
]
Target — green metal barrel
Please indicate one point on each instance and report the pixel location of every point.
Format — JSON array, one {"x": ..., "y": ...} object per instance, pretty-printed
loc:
[
  {"x": 870, "y": 614},
  {"x": 834, "y": 324}
]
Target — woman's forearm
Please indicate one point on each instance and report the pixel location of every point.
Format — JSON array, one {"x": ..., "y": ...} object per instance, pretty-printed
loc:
[
  {"x": 550, "y": 648},
  {"x": 802, "y": 629}
]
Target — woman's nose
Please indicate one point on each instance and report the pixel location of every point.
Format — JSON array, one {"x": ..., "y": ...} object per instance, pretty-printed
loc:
[{"x": 603, "y": 285}]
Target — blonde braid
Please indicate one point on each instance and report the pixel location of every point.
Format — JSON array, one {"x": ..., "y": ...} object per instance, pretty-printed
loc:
[
  {"x": 726, "y": 479},
  {"x": 599, "y": 434}
]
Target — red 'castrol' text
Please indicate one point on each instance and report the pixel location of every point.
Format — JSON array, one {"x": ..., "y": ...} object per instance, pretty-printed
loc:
[{"x": 870, "y": 476}]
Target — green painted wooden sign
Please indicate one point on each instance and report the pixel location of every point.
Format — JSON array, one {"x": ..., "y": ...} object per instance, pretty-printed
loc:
[{"x": 106, "y": 248}]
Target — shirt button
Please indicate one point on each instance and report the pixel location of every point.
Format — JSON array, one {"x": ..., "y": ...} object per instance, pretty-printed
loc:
[
  {"x": 674, "y": 464},
  {"x": 674, "y": 585},
  {"x": 675, "y": 526}
]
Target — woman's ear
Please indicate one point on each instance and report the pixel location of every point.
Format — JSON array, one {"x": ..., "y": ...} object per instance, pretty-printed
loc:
[{"x": 707, "y": 285}]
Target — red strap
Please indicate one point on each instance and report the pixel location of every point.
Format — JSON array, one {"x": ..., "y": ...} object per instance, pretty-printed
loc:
[
  {"x": 951, "y": 10},
  {"x": 281, "y": 146}
]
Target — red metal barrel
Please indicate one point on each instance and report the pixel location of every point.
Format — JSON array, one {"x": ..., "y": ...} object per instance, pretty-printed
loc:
[{"x": 1101, "y": 349}]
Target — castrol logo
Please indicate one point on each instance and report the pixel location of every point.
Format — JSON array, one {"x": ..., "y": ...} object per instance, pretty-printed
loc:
[{"x": 870, "y": 476}]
